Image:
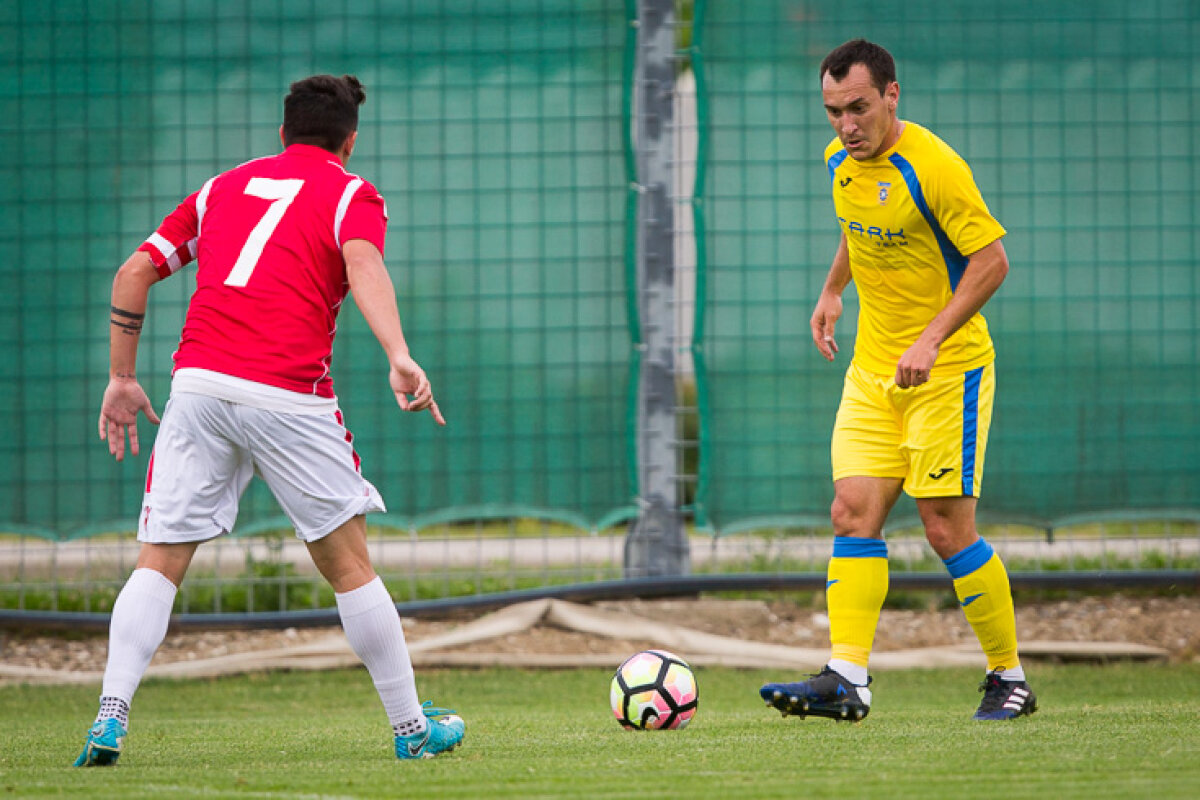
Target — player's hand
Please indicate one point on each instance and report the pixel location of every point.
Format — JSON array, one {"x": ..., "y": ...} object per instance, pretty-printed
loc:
[
  {"x": 915, "y": 365},
  {"x": 412, "y": 389},
  {"x": 824, "y": 318},
  {"x": 123, "y": 399}
]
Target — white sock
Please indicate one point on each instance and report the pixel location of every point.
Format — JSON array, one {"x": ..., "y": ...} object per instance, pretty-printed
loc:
[
  {"x": 1016, "y": 674},
  {"x": 138, "y": 626},
  {"x": 373, "y": 628},
  {"x": 854, "y": 673},
  {"x": 114, "y": 708}
]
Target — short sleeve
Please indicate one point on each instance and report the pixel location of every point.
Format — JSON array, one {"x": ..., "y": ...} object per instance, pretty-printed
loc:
[
  {"x": 365, "y": 216},
  {"x": 960, "y": 209},
  {"x": 173, "y": 244}
]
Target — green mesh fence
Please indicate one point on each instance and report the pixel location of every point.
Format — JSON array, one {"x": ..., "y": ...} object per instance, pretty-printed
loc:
[
  {"x": 498, "y": 134},
  {"x": 494, "y": 132},
  {"x": 1079, "y": 120}
]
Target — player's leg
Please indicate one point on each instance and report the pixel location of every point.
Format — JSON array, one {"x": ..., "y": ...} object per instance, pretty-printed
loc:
[
  {"x": 868, "y": 471},
  {"x": 139, "y": 622},
  {"x": 856, "y": 586},
  {"x": 376, "y": 635},
  {"x": 857, "y": 578},
  {"x": 951, "y": 420},
  {"x": 867, "y": 467},
  {"x": 194, "y": 480},
  {"x": 982, "y": 587},
  {"x": 310, "y": 465},
  {"x": 980, "y": 579}
]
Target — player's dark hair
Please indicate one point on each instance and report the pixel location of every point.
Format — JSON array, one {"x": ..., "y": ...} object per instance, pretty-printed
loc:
[
  {"x": 322, "y": 111},
  {"x": 877, "y": 60}
]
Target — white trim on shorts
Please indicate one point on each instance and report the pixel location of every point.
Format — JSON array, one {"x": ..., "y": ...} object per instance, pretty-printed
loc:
[
  {"x": 249, "y": 393},
  {"x": 208, "y": 449}
]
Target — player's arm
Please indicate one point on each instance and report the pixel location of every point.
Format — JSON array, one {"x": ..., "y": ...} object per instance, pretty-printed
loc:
[
  {"x": 376, "y": 299},
  {"x": 124, "y": 396},
  {"x": 829, "y": 304},
  {"x": 986, "y": 270}
]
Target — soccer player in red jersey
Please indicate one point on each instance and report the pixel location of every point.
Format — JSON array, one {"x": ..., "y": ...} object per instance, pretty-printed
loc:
[{"x": 278, "y": 243}]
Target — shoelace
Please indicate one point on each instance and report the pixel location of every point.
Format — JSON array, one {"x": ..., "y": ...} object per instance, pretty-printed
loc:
[
  {"x": 836, "y": 675},
  {"x": 431, "y": 711},
  {"x": 994, "y": 692}
]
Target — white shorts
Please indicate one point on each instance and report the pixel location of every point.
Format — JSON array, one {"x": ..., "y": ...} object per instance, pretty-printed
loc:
[{"x": 207, "y": 449}]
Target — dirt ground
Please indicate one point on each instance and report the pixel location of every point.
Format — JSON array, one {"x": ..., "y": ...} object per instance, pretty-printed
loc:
[{"x": 1170, "y": 623}]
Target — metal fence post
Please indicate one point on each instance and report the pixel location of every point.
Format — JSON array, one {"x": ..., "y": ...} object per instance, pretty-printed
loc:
[{"x": 657, "y": 543}]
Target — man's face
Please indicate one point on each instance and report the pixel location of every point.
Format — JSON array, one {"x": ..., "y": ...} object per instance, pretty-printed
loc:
[{"x": 862, "y": 116}]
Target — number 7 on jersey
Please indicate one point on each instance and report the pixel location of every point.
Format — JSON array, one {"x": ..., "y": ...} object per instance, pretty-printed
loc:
[{"x": 281, "y": 193}]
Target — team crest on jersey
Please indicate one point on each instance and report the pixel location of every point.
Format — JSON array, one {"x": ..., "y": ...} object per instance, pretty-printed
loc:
[{"x": 883, "y": 192}]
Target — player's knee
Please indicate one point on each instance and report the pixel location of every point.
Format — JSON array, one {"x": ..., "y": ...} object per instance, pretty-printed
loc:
[
  {"x": 939, "y": 540},
  {"x": 947, "y": 529},
  {"x": 344, "y": 569},
  {"x": 350, "y": 579},
  {"x": 946, "y": 539},
  {"x": 848, "y": 520}
]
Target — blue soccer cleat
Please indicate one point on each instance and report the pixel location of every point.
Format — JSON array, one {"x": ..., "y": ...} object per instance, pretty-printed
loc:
[
  {"x": 443, "y": 732},
  {"x": 105, "y": 741},
  {"x": 826, "y": 694},
  {"x": 1004, "y": 699}
]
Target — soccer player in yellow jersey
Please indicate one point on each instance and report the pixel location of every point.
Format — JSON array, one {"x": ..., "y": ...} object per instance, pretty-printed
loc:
[{"x": 925, "y": 255}]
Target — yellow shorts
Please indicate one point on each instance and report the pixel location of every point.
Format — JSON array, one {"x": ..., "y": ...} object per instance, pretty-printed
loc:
[{"x": 932, "y": 436}]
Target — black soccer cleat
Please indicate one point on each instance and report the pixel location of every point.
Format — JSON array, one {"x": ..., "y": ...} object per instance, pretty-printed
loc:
[
  {"x": 826, "y": 694},
  {"x": 1005, "y": 699}
]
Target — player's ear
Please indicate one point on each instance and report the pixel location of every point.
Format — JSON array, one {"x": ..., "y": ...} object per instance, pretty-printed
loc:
[
  {"x": 348, "y": 145},
  {"x": 282, "y": 140}
]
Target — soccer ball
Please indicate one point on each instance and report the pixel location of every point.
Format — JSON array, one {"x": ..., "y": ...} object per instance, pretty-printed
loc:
[{"x": 654, "y": 690}]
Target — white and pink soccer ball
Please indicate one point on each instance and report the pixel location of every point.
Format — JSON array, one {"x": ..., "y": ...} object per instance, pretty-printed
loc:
[{"x": 654, "y": 690}]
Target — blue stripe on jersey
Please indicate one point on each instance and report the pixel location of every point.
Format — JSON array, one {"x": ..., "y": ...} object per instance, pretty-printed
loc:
[
  {"x": 968, "y": 560},
  {"x": 956, "y": 262},
  {"x": 970, "y": 428},
  {"x": 856, "y": 547},
  {"x": 835, "y": 161}
]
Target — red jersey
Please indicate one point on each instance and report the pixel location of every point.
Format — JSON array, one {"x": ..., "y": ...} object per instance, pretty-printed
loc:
[{"x": 270, "y": 276}]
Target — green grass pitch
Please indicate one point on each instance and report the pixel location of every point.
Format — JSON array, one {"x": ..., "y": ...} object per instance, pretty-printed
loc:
[{"x": 1120, "y": 731}]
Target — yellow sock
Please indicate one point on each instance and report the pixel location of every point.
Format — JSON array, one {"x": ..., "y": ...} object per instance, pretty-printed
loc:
[
  {"x": 855, "y": 590},
  {"x": 981, "y": 584}
]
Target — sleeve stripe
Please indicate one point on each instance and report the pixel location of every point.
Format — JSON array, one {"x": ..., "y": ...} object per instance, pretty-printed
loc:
[
  {"x": 835, "y": 161},
  {"x": 168, "y": 255},
  {"x": 956, "y": 262},
  {"x": 202, "y": 203},
  {"x": 343, "y": 204},
  {"x": 174, "y": 261},
  {"x": 160, "y": 243}
]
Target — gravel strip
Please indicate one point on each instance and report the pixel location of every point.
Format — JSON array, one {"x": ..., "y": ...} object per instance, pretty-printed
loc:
[{"x": 1172, "y": 624}]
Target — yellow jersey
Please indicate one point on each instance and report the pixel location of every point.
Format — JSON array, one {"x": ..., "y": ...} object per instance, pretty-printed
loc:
[{"x": 911, "y": 215}]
